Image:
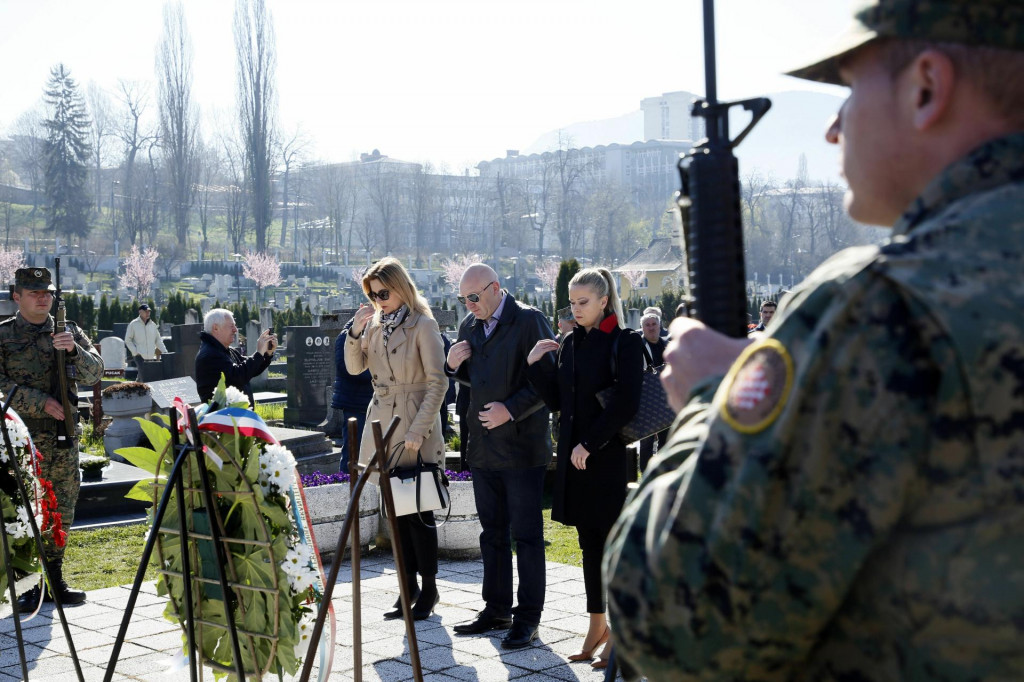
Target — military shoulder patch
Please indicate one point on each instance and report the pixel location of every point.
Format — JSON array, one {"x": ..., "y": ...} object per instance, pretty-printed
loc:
[{"x": 757, "y": 386}]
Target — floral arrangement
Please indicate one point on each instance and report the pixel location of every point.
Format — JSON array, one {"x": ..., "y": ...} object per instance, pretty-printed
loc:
[
  {"x": 270, "y": 561},
  {"x": 92, "y": 463},
  {"x": 24, "y": 554}
]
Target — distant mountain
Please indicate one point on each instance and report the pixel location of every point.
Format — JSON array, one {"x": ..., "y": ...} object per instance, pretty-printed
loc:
[{"x": 794, "y": 125}]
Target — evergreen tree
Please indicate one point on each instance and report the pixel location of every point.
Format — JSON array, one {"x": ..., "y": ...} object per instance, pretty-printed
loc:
[
  {"x": 66, "y": 154},
  {"x": 566, "y": 270},
  {"x": 88, "y": 320},
  {"x": 103, "y": 319}
]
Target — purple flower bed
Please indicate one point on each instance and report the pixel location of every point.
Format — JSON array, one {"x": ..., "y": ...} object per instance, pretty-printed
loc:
[{"x": 316, "y": 478}]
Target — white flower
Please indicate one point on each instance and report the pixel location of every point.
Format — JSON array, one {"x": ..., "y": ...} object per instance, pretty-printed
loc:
[
  {"x": 235, "y": 397},
  {"x": 277, "y": 469},
  {"x": 298, "y": 565},
  {"x": 305, "y": 630},
  {"x": 18, "y": 433}
]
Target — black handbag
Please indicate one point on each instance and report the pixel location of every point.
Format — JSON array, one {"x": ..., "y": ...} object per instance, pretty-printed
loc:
[
  {"x": 419, "y": 488},
  {"x": 654, "y": 414}
]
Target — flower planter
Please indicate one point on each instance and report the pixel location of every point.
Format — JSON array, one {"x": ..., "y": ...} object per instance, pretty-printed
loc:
[
  {"x": 124, "y": 431},
  {"x": 327, "y": 505},
  {"x": 460, "y": 536}
]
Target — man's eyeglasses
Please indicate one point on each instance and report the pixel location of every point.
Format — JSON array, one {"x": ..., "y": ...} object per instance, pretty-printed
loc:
[
  {"x": 473, "y": 298},
  {"x": 381, "y": 295}
]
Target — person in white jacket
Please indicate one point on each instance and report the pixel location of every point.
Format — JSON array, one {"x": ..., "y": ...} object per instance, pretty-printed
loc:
[{"x": 143, "y": 337}]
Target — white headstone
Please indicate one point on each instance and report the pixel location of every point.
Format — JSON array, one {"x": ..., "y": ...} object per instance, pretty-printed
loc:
[{"x": 112, "y": 352}]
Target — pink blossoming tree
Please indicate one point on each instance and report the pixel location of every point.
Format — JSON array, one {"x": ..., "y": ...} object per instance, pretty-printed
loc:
[
  {"x": 10, "y": 261},
  {"x": 138, "y": 270},
  {"x": 263, "y": 269}
]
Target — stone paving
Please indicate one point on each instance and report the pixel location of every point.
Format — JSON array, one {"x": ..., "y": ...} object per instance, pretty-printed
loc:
[{"x": 152, "y": 641}]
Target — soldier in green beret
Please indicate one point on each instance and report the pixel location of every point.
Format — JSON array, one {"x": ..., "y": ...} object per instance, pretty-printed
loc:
[
  {"x": 847, "y": 501},
  {"x": 28, "y": 361}
]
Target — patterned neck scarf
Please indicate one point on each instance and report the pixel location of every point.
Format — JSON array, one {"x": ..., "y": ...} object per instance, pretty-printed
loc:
[{"x": 390, "y": 321}]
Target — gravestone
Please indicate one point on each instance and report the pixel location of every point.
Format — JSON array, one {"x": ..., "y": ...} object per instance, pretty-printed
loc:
[
  {"x": 120, "y": 329},
  {"x": 252, "y": 334},
  {"x": 446, "y": 319},
  {"x": 192, "y": 316},
  {"x": 267, "y": 317},
  {"x": 310, "y": 356},
  {"x": 186, "y": 345},
  {"x": 164, "y": 392},
  {"x": 113, "y": 354}
]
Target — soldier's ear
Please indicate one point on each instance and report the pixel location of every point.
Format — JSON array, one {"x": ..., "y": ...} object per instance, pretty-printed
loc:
[{"x": 931, "y": 80}]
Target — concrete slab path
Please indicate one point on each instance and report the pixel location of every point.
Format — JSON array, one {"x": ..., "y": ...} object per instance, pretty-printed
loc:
[{"x": 148, "y": 653}]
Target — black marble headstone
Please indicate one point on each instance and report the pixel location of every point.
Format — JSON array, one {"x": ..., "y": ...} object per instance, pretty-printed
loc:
[
  {"x": 120, "y": 329},
  {"x": 310, "y": 374},
  {"x": 186, "y": 345}
]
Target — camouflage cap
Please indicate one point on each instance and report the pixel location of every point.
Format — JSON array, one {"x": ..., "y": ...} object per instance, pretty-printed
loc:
[
  {"x": 993, "y": 23},
  {"x": 33, "y": 279}
]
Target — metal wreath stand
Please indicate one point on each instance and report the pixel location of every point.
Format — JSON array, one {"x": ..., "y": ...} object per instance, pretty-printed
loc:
[
  {"x": 175, "y": 484},
  {"x": 12, "y": 587},
  {"x": 378, "y": 464}
]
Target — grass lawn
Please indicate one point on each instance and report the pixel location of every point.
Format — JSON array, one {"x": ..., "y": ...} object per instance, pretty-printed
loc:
[
  {"x": 105, "y": 557},
  {"x": 108, "y": 557}
]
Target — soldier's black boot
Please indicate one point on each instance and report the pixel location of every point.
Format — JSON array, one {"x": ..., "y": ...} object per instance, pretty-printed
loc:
[
  {"x": 68, "y": 596},
  {"x": 28, "y": 602}
]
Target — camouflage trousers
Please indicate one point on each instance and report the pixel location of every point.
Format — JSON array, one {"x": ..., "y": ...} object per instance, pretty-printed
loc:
[{"x": 60, "y": 467}]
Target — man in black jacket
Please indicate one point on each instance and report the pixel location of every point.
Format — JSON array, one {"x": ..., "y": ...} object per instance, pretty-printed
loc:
[
  {"x": 508, "y": 449},
  {"x": 216, "y": 357}
]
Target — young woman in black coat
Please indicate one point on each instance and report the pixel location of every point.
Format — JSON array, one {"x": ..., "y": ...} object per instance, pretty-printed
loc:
[{"x": 590, "y": 482}]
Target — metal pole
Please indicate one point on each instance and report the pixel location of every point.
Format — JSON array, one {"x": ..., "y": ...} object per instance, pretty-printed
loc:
[
  {"x": 357, "y": 600},
  {"x": 396, "y": 551},
  {"x": 332, "y": 577}
]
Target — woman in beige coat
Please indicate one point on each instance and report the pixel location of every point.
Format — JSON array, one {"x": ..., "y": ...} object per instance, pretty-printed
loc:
[{"x": 398, "y": 340}]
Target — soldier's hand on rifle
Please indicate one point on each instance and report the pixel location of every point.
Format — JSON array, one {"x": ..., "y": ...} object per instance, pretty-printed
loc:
[
  {"x": 64, "y": 341},
  {"x": 695, "y": 353},
  {"x": 54, "y": 409}
]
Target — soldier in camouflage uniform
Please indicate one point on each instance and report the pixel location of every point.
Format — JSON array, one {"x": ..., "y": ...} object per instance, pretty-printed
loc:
[
  {"x": 27, "y": 344},
  {"x": 848, "y": 502}
]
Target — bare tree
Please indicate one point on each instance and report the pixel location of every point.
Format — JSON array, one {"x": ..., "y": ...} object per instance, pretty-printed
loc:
[
  {"x": 28, "y": 138},
  {"x": 137, "y": 134},
  {"x": 101, "y": 131},
  {"x": 457, "y": 201},
  {"x": 537, "y": 194},
  {"x": 257, "y": 104},
  {"x": 425, "y": 207},
  {"x": 179, "y": 117},
  {"x": 571, "y": 168},
  {"x": 384, "y": 194},
  {"x": 208, "y": 169},
  {"x": 291, "y": 151},
  {"x": 506, "y": 221},
  {"x": 234, "y": 197}
]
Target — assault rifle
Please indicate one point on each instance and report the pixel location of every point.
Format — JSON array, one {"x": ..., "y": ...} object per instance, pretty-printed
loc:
[
  {"x": 709, "y": 205},
  {"x": 65, "y": 429}
]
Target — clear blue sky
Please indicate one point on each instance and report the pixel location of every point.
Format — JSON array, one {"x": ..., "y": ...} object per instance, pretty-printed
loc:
[{"x": 449, "y": 81}]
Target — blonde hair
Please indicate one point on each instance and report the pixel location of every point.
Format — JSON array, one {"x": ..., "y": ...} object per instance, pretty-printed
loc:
[
  {"x": 395, "y": 278},
  {"x": 600, "y": 280}
]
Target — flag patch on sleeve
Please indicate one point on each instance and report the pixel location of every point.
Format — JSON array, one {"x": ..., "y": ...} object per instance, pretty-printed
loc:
[{"x": 758, "y": 386}]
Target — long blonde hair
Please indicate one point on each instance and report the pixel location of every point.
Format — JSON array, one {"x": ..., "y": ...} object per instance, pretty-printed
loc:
[
  {"x": 600, "y": 280},
  {"x": 393, "y": 275}
]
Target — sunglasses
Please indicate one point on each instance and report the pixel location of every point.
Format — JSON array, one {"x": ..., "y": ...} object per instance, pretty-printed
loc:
[
  {"x": 473, "y": 298},
  {"x": 381, "y": 295}
]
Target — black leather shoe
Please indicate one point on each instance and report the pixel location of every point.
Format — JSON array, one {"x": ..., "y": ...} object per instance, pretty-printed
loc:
[
  {"x": 484, "y": 622},
  {"x": 68, "y": 596},
  {"x": 28, "y": 602},
  {"x": 424, "y": 606},
  {"x": 519, "y": 636}
]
